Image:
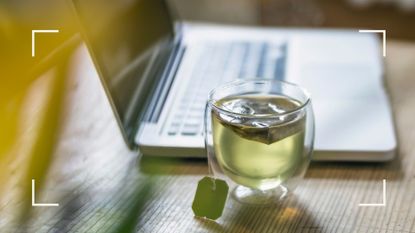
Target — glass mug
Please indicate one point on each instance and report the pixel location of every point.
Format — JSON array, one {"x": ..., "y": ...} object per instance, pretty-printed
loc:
[{"x": 259, "y": 136}]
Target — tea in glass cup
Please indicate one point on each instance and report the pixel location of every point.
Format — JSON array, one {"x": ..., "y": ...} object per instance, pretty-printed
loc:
[{"x": 259, "y": 134}]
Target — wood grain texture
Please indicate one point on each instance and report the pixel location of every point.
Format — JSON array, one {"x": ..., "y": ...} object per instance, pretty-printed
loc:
[{"x": 103, "y": 187}]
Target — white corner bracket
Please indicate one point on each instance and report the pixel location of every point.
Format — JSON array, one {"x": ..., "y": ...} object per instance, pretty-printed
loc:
[
  {"x": 40, "y": 204},
  {"x": 383, "y": 199},
  {"x": 34, "y": 36},
  {"x": 383, "y": 36}
]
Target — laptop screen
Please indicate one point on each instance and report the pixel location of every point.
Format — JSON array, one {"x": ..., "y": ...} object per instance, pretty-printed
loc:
[{"x": 126, "y": 39}]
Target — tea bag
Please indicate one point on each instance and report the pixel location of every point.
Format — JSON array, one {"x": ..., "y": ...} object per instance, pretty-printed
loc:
[
  {"x": 210, "y": 198},
  {"x": 262, "y": 129}
]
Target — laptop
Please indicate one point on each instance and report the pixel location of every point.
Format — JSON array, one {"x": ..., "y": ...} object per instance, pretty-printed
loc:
[{"x": 157, "y": 73}]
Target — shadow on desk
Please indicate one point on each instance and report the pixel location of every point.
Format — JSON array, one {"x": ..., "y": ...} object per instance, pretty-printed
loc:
[
  {"x": 150, "y": 165},
  {"x": 289, "y": 216},
  {"x": 356, "y": 170},
  {"x": 317, "y": 170}
]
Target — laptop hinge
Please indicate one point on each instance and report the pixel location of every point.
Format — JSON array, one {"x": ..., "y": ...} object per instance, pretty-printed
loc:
[
  {"x": 166, "y": 77},
  {"x": 163, "y": 71}
]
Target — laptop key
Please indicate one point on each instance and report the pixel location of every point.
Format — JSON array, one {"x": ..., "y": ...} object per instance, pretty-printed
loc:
[
  {"x": 189, "y": 133},
  {"x": 280, "y": 63},
  {"x": 245, "y": 46},
  {"x": 173, "y": 131},
  {"x": 190, "y": 129},
  {"x": 262, "y": 60}
]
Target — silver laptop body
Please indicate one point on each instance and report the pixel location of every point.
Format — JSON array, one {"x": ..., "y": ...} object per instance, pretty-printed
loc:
[{"x": 157, "y": 75}]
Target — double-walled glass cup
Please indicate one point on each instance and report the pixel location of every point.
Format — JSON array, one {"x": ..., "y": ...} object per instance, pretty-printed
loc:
[{"x": 259, "y": 136}]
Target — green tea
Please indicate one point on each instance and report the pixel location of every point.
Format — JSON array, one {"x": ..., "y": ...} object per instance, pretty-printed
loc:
[{"x": 256, "y": 144}]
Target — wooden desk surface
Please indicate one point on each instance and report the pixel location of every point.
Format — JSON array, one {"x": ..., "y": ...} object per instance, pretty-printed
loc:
[{"x": 101, "y": 186}]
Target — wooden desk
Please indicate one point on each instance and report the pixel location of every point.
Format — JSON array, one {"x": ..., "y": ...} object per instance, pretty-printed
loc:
[{"x": 101, "y": 186}]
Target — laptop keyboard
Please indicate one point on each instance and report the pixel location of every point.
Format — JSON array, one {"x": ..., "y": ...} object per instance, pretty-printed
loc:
[{"x": 218, "y": 63}]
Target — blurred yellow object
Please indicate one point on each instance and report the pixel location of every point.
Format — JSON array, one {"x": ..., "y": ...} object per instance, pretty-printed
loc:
[
  {"x": 31, "y": 94},
  {"x": 21, "y": 117}
]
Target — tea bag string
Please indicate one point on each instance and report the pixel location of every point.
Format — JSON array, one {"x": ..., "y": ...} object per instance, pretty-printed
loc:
[
  {"x": 211, "y": 172},
  {"x": 209, "y": 157}
]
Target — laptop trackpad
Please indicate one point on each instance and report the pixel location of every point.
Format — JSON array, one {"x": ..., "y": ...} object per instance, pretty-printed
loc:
[{"x": 359, "y": 124}]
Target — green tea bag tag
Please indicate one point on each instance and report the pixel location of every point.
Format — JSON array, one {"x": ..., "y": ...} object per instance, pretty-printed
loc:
[{"x": 210, "y": 198}]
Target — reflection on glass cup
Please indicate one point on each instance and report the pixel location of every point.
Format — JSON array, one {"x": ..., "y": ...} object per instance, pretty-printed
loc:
[{"x": 259, "y": 134}]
